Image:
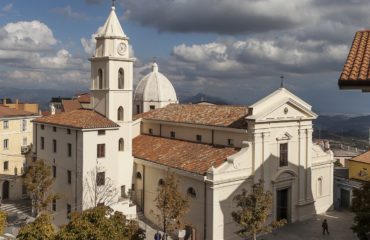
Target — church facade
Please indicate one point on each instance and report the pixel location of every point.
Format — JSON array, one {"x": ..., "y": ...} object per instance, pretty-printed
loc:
[{"x": 215, "y": 150}]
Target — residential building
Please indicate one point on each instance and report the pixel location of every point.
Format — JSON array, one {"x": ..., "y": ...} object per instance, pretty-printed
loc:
[
  {"x": 28, "y": 107},
  {"x": 16, "y": 140}
]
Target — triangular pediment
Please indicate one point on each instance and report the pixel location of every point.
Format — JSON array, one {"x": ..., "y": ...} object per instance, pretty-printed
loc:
[{"x": 281, "y": 105}]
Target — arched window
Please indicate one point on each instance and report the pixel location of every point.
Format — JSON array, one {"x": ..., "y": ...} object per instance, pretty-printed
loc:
[
  {"x": 120, "y": 114},
  {"x": 191, "y": 192},
  {"x": 100, "y": 79},
  {"x": 121, "y": 79},
  {"x": 121, "y": 145},
  {"x": 138, "y": 175},
  {"x": 161, "y": 183}
]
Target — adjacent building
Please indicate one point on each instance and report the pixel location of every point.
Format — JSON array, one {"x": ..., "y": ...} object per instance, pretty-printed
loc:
[{"x": 16, "y": 140}]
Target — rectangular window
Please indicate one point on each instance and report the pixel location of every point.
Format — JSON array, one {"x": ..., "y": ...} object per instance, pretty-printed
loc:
[
  {"x": 150, "y": 131},
  {"x": 42, "y": 126},
  {"x": 69, "y": 147},
  {"x": 123, "y": 191},
  {"x": 100, "y": 178},
  {"x": 101, "y": 150},
  {"x": 54, "y": 145},
  {"x": 68, "y": 131},
  {"x": 173, "y": 134},
  {"x": 69, "y": 176},
  {"x": 6, "y": 144},
  {"x": 283, "y": 159},
  {"x": 199, "y": 138},
  {"x": 101, "y": 132},
  {"x": 54, "y": 206},
  {"x": 54, "y": 129},
  {"x": 54, "y": 171},
  {"x": 6, "y": 124},
  {"x": 137, "y": 109},
  {"x": 42, "y": 142},
  {"x": 152, "y": 107},
  {"x": 230, "y": 142},
  {"x": 6, "y": 165},
  {"x": 24, "y": 125},
  {"x": 24, "y": 141}
]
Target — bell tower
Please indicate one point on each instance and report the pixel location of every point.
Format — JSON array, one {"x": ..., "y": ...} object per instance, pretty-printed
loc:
[{"x": 112, "y": 72}]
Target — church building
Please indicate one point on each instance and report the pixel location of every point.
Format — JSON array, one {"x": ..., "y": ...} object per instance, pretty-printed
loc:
[{"x": 130, "y": 140}]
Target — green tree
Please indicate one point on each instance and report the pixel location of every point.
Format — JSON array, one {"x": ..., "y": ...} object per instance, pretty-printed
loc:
[
  {"x": 171, "y": 204},
  {"x": 38, "y": 181},
  {"x": 252, "y": 212},
  {"x": 361, "y": 208},
  {"x": 2, "y": 221},
  {"x": 100, "y": 223},
  {"x": 40, "y": 229}
]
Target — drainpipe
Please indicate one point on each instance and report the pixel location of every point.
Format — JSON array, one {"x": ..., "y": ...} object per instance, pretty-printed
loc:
[
  {"x": 205, "y": 210},
  {"x": 76, "y": 174},
  {"x": 143, "y": 193}
]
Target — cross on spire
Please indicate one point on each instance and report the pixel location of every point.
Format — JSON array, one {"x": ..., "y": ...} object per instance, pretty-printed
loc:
[
  {"x": 113, "y": 3},
  {"x": 282, "y": 81}
]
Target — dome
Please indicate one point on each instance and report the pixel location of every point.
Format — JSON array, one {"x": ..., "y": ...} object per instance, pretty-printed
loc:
[{"x": 155, "y": 87}]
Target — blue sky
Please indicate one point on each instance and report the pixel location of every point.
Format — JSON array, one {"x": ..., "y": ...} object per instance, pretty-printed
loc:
[{"x": 233, "y": 49}]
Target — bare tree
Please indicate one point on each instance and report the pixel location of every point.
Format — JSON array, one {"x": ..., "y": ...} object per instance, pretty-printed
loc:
[{"x": 99, "y": 189}]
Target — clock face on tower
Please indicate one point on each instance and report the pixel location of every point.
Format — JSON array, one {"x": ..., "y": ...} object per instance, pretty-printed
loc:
[{"x": 121, "y": 49}]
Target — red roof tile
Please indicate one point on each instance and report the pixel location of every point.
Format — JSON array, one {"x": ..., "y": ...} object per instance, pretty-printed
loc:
[
  {"x": 11, "y": 112},
  {"x": 355, "y": 73},
  {"x": 211, "y": 115},
  {"x": 365, "y": 158},
  {"x": 70, "y": 105},
  {"x": 81, "y": 118},
  {"x": 184, "y": 155}
]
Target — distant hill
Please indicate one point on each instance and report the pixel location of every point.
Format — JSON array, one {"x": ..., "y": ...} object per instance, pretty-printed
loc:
[
  {"x": 353, "y": 131},
  {"x": 40, "y": 96},
  {"x": 200, "y": 97}
]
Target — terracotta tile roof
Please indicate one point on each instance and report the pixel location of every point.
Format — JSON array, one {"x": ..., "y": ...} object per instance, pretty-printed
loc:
[
  {"x": 11, "y": 112},
  {"x": 70, "y": 105},
  {"x": 84, "y": 98},
  {"x": 365, "y": 158},
  {"x": 356, "y": 70},
  {"x": 188, "y": 156},
  {"x": 211, "y": 115},
  {"x": 81, "y": 118}
]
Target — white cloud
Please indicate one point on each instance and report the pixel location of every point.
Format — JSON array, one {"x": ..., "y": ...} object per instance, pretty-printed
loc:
[
  {"x": 26, "y": 36},
  {"x": 32, "y": 58}
]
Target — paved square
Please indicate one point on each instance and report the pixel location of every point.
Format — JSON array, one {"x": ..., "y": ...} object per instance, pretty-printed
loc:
[{"x": 339, "y": 228}]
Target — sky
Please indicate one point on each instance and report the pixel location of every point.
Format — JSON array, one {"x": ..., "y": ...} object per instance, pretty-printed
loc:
[{"x": 233, "y": 49}]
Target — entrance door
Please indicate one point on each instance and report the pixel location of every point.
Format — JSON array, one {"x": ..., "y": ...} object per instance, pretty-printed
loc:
[
  {"x": 282, "y": 211},
  {"x": 5, "y": 194},
  {"x": 344, "y": 198}
]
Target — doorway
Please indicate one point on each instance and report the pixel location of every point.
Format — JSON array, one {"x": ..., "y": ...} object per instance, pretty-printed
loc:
[
  {"x": 344, "y": 198},
  {"x": 282, "y": 204},
  {"x": 5, "y": 193}
]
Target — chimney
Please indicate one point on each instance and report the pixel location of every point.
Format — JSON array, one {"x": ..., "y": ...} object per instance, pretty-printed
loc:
[
  {"x": 17, "y": 101},
  {"x": 326, "y": 145},
  {"x": 4, "y": 101},
  {"x": 52, "y": 109}
]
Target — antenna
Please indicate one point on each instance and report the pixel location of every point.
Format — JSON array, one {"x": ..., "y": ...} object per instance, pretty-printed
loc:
[{"x": 282, "y": 81}]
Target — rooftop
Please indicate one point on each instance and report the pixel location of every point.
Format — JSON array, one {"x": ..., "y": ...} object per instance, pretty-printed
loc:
[
  {"x": 188, "y": 156},
  {"x": 356, "y": 70},
  {"x": 11, "y": 112},
  {"x": 365, "y": 157},
  {"x": 70, "y": 105},
  {"x": 80, "y": 118},
  {"x": 211, "y": 115}
]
